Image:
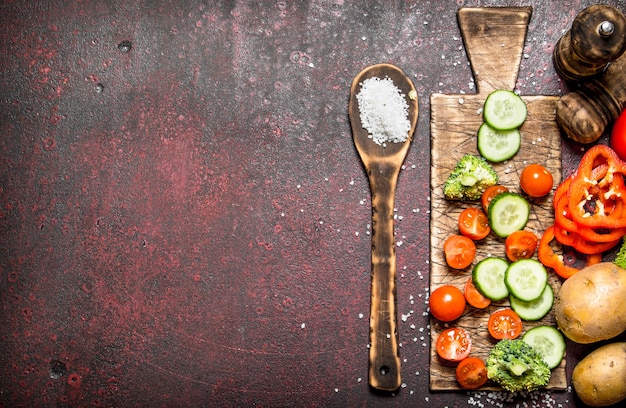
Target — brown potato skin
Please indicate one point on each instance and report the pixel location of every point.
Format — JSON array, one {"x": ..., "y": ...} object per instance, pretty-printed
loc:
[
  {"x": 600, "y": 378},
  {"x": 590, "y": 306}
]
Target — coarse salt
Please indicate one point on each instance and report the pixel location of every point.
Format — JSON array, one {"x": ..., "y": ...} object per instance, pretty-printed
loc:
[{"x": 384, "y": 111}]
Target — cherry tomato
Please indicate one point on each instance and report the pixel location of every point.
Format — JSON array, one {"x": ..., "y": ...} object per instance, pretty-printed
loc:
[
  {"x": 460, "y": 251},
  {"x": 454, "y": 344},
  {"x": 474, "y": 224},
  {"x": 473, "y": 296},
  {"x": 520, "y": 244},
  {"x": 489, "y": 194},
  {"x": 471, "y": 373},
  {"x": 447, "y": 303},
  {"x": 618, "y": 136},
  {"x": 504, "y": 324},
  {"x": 536, "y": 180}
]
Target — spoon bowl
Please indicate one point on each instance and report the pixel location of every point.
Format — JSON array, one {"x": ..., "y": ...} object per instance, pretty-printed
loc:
[{"x": 382, "y": 164}]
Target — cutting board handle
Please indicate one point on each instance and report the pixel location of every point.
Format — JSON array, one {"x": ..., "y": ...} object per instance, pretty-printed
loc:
[{"x": 494, "y": 41}]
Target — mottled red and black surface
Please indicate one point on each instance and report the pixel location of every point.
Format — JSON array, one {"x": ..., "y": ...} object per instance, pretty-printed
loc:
[{"x": 183, "y": 215}]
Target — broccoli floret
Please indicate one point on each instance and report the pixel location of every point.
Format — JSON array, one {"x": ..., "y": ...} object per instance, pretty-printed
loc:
[
  {"x": 517, "y": 366},
  {"x": 620, "y": 259},
  {"x": 469, "y": 179}
]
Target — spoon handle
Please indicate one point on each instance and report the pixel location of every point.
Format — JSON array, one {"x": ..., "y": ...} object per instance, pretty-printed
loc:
[{"x": 384, "y": 360}]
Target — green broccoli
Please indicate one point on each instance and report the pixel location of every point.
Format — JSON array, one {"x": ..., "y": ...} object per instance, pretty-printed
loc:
[
  {"x": 469, "y": 179},
  {"x": 517, "y": 366},
  {"x": 620, "y": 258}
]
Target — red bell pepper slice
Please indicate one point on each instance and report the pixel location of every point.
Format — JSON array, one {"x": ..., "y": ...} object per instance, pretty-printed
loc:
[
  {"x": 599, "y": 202},
  {"x": 550, "y": 259}
]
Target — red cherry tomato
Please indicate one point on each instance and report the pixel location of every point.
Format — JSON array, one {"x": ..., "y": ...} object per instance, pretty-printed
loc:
[
  {"x": 447, "y": 303},
  {"x": 473, "y": 296},
  {"x": 536, "y": 180},
  {"x": 454, "y": 344},
  {"x": 489, "y": 194},
  {"x": 520, "y": 244},
  {"x": 504, "y": 324},
  {"x": 474, "y": 224},
  {"x": 618, "y": 136},
  {"x": 459, "y": 251},
  {"x": 471, "y": 373}
]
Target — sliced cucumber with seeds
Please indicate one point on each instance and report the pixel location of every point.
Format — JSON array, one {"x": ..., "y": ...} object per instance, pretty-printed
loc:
[
  {"x": 526, "y": 279},
  {"x": 508, "y": 212},
  {"x": 504, "y": 110},
  {"x": 535, "y": 309},
  {"x": 488, "y": 277},
  {"x": 498, "y": 145},
  {"x": 548, "y": 342}
]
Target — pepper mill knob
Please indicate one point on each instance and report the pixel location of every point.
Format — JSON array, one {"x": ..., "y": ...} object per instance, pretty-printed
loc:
[{"x": 596, "y": 38}]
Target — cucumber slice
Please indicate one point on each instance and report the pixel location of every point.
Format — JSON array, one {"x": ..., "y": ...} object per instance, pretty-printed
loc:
[
  {"x": 535, "y": 309},
  {"x": 488, "y": 277},
  {"x": 526, "y": 279},
  {"x": 498, "y": 145},
  {"x": 504, "y": 110},
  {"x": 548, "y": 342},
  {"x": 508, "y": 212}
]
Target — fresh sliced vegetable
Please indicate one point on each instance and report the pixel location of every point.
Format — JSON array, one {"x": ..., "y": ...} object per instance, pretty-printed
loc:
[
  {"x": 599, "y": 202},
  {"x": 488, "y": 277},
  {"x": 471, "y": 373},
  {"x": 520, "y": 245},
  {"x": 504, "y": 110},
  {"x": 526, "y": 279},
  {"x": 536, "y": 180},
  {"x": 618, "y": 136},
  {"x": 535, "y": 309},
  {"x": 498, "y": 145},
  {"x": 454, "y": 344},
  {"x": 473, "y": 295},
  {"x": 459, "y": 251},
  {"x": 474, "y": 224},
  {"x": 508, "y": 212},
  {"x": 549, "y": 342},
  {"x": 447, "y": 303},
  {"x": 490, "y": 193},
  {"x": 504, "y": 324},
  {"x": 550, "y": 259}
]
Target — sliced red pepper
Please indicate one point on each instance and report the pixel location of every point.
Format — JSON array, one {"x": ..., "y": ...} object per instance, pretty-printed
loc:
[
  {"x": 581, "y": 244},
  {"x": 563, "y": 220},
  {"x": 550, "y": 259},
  {"x": 599, "y": 202}
]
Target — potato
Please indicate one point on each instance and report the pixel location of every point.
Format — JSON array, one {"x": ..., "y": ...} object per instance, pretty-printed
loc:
[
  {"x": 600, "y": 378},
  {"x": 590, "y": 306}
]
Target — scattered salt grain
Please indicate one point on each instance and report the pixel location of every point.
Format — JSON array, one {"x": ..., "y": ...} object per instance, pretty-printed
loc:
[{"x": 383, "y": 111}]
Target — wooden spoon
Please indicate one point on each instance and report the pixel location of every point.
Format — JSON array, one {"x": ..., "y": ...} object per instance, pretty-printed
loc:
[{"x": 383, "y": 167}]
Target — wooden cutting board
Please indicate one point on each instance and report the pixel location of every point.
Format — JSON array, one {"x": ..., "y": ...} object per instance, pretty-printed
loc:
[{"x": 494, "y": 40}]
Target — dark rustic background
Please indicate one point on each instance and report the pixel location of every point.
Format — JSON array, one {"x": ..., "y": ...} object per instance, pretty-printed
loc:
[{"x": 184, "y": 220}]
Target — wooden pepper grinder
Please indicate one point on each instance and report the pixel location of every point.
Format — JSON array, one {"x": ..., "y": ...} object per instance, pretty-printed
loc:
[{"x": 592, "y": 52}]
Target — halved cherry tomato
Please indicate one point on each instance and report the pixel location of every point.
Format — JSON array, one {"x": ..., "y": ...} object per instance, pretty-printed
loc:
[
  {"x": 473, "y": 296},
  {"x": 447, "y": 303},
  {"x": 454, "y": 344},
  {"x": 459, "y": 251},
  {"x": 489, "y": 194},
  {"x": 618, "y": 136},
  {"x": 504, "y": 324},
  {"x": 474, "y": 224},
  {"x": 536, "y": 180},
  {"x": 520, "y": 245},
  {"x": 471, "y": 373}
]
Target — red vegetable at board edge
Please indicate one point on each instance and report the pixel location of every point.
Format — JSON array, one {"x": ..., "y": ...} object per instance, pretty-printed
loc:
[
  {"x": 599, "y": 202},
  {"x": 454, "y": 344},
  {"x": 618, "y": 136},
  {"x": 471, "y": 373},
  {"x": 550, "y": 259}
]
